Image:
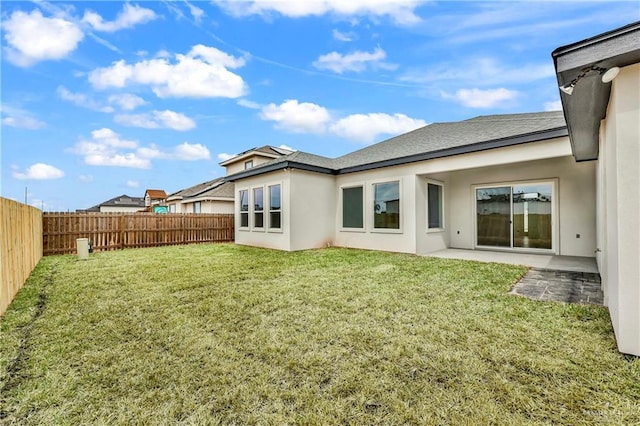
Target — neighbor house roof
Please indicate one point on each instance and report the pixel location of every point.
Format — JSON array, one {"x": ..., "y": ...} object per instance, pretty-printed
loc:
[
  {"x": 216, "y": 188},
  {"x": 429, "y": 142},
  {"x": 120, "y": 201},
  {"x": 587, "y": 105},
  {"x": 156, "y": 193},
  {"x": 264, "y": 151}
]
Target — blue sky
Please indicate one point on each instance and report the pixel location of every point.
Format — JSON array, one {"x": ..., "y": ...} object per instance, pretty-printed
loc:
[{"x": 101, "y": 99}]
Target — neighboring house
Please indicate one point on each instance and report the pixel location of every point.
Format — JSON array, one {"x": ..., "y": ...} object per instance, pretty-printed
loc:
[
  {"x": 549, "y": 183},
  {"x": 215, "y": 196},
  {"x": 121, "y": 204},
  {"x": 154, "y": 197},
  {"x": 252, "y": 158}
]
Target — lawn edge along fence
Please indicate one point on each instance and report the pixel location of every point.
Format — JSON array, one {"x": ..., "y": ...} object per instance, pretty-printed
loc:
[
  {"x": 117, "y": 231},
  {"x": 20, "y": 247}
]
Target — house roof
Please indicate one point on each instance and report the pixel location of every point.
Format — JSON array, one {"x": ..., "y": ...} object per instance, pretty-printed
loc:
[
  {"x": 587, "y": 105},
  {"x": 264, "y": 151},
  {"x": 432, "y": 141},
  {"x": 156, "y": 193},
  {"x": 119, "y": 201},
  {"x": 216, "y": 188}
]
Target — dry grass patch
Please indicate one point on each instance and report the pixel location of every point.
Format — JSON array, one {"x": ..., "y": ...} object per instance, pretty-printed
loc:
[{"x": 223, "y": 334}]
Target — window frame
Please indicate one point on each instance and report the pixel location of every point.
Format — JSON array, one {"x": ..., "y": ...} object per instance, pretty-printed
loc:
[
  {"x": 364, "y": 207},
  {"x": 248, "y": 164},
  {"x": 241, "y": 212},
  {"x": 253, "y": 211},
  {"x": 372, "y": 202},
  {"x": 197, "y": 207},
  {"x": 270, "y": 210},
  {"x": 442, "y": 226}
]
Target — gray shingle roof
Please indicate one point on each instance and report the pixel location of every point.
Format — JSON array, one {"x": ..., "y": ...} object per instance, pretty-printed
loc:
[
  {"x": 119, "y": 201},
  {"x": 432, "y": 141},
  {"x": 197, "y": 189}
]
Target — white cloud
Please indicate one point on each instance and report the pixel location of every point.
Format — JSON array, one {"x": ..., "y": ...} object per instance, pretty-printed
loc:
[
  {"x": 23, "y": 122},
  {"x": 356, "y": 61},
  {"x": 287, "y": 147},
  {"x": 133, "y": 184},
  {"x": 82, "y": 100},
  {"x": 126, "y": 101},
  {"x": 157, "y": 120},
  {"x": 32, "y": 37},
  {"x": 106, "y": 148},
  {"x": 85, "y": 178},
  {"x": 39, "y": 171},
  {"x": 477, "y": 98},
  {"x": 346, "y": 36},
  {"x": 128, "y": 17},
  {"x": 297, "y": 117},
  {"x": 191, "y": 152},
  {"x": 401, "y": 12},
  {"x": 248, "y": 104},
  {"x": 368, "y": 127},
  {"x": 201, "y": 73},
  {"x": 223, "y": 156},
  {"x": 196, "y": 12},
  {"x": 553, "y": 106}
]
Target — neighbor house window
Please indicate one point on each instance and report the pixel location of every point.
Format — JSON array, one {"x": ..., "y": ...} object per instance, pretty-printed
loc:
[
  {"x": 197, "y": 207},
  {"x": 435, "y": 204},
  {"x": 248, "y": 164},
  {"x": 386, "y": 205},
  {"x": 244, "y": 208},
  {"x": 172, "y": 208},
  {"x": 275, "y": 206},
  {"x": 352, "y": 207},
  {"x": 258, "y": 207}
]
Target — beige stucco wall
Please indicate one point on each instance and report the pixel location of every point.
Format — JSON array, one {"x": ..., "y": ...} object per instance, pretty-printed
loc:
[
  {"x": 312, "y": 207},
  {"x": 548, "y": 160},
  {"x": 619, "y": 219},
  {"x": 276, "y": 239},
  {"x": 575, "y": 204},
  {"x": 119, "y": 209},
  {"x": 239, "y": 166},
  {"x": 206, "y": 206}
]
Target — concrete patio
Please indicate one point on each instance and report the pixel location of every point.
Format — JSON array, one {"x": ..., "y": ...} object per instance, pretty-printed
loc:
[
  {"x": 540, "y": 261},
  {"x": 550, "y": 278}
]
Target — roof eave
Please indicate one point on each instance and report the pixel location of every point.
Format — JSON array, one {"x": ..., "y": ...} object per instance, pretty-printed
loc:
[
  {"x": 279, "y": 166},
  {"x": 465, "y": 149},
  {"x": 587, "y": 105}
]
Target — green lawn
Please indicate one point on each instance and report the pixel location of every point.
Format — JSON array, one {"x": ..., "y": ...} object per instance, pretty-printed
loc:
[{"x": 224, "y": 334}]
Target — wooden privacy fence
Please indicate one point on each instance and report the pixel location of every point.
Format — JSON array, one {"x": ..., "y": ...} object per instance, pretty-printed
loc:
[
  {"x": 115, "y": 231},
  {"x": 20, "y": 247}
]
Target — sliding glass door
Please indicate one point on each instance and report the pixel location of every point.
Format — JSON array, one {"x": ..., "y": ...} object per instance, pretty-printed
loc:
[{"x": 515, "y": 216}]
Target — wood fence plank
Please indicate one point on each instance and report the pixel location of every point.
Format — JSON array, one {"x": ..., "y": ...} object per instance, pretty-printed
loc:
[{"x": 115, "y": 231}]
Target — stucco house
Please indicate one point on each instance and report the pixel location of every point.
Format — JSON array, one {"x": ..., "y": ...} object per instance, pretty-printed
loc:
[
  {"x": 217, "y": 195},
  {"x": 154, "y": 197},
  {"x": 564, "y": 183},
  {"x": 214, "y": 196}
]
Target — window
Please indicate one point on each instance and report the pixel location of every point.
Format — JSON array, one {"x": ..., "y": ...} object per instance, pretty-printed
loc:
[
  {"x": 172, "y": 208},
  {"x": 435, "y": 204},
  {"x": 352, "y": 208},
  {"x": 275, "y": 206},
  {"x": 386, "y": 205},
  {"x": 248, "y": 164},
  {"x": 197, "y": 207},
  {"x": 258, "y": 208},
  {"x": 244, "y": 208}
]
